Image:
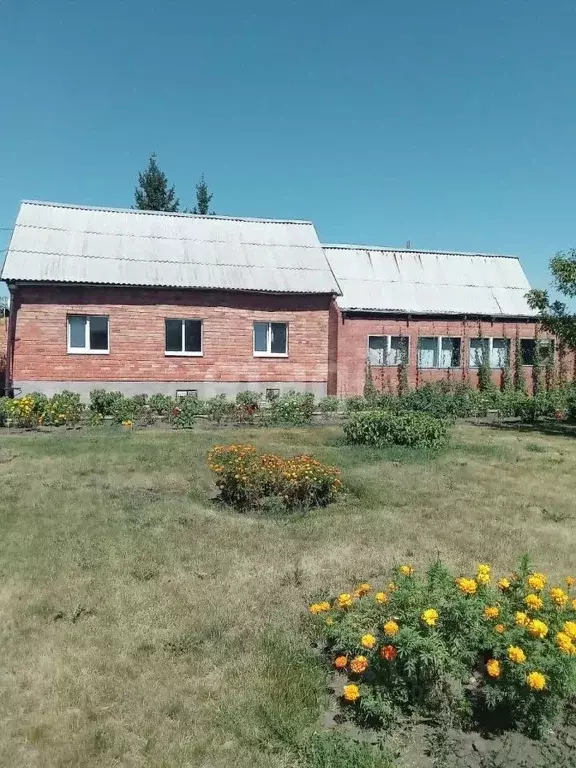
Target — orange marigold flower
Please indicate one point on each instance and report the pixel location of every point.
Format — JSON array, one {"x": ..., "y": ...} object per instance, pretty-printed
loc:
[
  {"x": 499, "y": 628},
  {"x": 359, "y": 664},
  {"x": 493, "y": 668},
  {"x": 516, "y": 654},
  {"x": 533, "y": 602},
  {"x": 468, "y": 586},
  {"x": 363, "y": 589},
  {"x": 536, "y": 681},
  {"x": 570, "y": 629},
  {"x": 537, "y": 581},
  {"x": 381, "y": 597},
  {"x": 491, "y": 612},
  {"x": 564, "y": 643},
  {"x": 388, "y": 652},
  {"x": 559, "y": 597},
  {"x": 504, "y": 584},
  {"x": 340, "y": 662},
  {"x": 570, "y": 581},
  {"x": 344, "y": 600}
]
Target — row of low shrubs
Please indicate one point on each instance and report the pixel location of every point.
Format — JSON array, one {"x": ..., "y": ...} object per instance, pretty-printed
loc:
[
  {"x": 494, "y": 655},
  {"x": 443, "y": 400},
  {"x": 247, "y": 479},
  {"x": 66, "y": 408},
  {"x": 381, "y": 428}
]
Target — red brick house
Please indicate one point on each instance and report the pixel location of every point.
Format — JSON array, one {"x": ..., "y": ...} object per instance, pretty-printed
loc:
[{"x": 140, "y": 301}]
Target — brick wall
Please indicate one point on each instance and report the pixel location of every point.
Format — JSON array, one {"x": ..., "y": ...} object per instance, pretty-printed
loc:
[
  {"x": 136, "y": 336},
  {"x": 352, "y": 349}
]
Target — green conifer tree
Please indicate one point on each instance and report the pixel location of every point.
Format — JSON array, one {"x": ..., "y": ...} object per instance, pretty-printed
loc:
[
  {"x": 203, "y": 198},
  {"x": 519, "y": 378},
  {"x": 153, "y": 192},
  {"x": 369, "y": 386}
]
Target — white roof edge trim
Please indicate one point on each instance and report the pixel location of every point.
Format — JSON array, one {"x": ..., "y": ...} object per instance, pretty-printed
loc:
[
  {"x": 138, "y": 212},
  {"x": 390, "y": 249},
  {"x": 431, "y": 312}
]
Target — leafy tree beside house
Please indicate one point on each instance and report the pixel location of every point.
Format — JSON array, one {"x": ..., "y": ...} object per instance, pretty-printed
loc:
[
  {"x": 153, "y": 192},
  {"x": 555, "y": 316}
]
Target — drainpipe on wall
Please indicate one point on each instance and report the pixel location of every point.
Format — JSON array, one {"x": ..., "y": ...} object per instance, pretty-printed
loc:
[{"x": 14, "y": 306}]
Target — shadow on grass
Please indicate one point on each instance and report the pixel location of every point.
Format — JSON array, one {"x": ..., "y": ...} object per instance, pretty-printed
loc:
[
  {"x": 549, "y": 428},
  {"x": 356, "y": 455}
]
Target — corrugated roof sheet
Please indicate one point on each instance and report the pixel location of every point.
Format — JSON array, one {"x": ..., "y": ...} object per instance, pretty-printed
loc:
[
  {"x": 426, "y": 282},
  {"x": 65, "y": 243}
]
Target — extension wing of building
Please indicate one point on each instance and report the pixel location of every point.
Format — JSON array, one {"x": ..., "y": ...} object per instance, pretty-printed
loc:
[{"x": 149, "y": 302}]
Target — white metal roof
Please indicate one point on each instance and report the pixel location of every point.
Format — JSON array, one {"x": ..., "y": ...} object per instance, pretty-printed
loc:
[
  {"x": 428, "y": 282},
  {"x": 53, "y": 242}
]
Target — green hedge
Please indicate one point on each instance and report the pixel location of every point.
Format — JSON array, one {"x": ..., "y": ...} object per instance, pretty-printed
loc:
[{"x": 383, "y": 428}]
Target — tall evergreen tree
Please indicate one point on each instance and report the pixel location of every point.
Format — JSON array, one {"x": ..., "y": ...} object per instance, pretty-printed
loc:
[
  {"x": 203, "y": 198},
  {"x": 153, "y": 192}
]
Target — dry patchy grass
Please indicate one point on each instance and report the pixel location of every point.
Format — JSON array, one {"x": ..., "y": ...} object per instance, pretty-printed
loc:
[{"x": 141, "y": 625}]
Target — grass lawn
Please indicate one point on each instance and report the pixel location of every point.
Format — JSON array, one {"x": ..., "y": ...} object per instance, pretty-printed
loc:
[{"x": 141, "y": 625}]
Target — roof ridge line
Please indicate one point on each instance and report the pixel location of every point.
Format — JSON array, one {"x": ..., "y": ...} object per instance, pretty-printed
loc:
[{"x": 177, "y": 214}]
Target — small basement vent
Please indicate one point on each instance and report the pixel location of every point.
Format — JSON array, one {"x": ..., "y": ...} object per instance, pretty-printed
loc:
[
  {"x": 272, "y": 394},
  {"x": 181, "y": 393}
]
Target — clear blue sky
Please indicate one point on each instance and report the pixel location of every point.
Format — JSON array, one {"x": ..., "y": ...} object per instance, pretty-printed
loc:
[{"x": 448, "y": 123}]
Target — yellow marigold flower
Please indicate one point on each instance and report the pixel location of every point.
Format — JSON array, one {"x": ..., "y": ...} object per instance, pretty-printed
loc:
[
  {"x": 574, "y": 604},
  {"x": 499, "y": 628},
  {"x": 430, "y": 617},
  {"x": 537, "y": 581},
  {"x": 468, "y": 586},
  {"x": 570, "y": 581},
  {"x": 359, "y": 664},
  {"x": 521, "y": 618},
  {"x": 533, "y": 602},
  {"x": 363, "y": 589},
  {"x": 536, "y": 681},
  {"x": 368, "y": 641},
  {"x": 391, "y": 628},
  {"x": 482, "y": 579},
  {"x": 356, "y": 594},
  {"x": 570, "y": 629},
  {"x": 340, "y": 662},
  {"x": 320, "y": 607},
  {"x": 493, "y": 668},
  {"x": 504, "y": 584},
  {"x": 537, "y": 629},
  {"x": 344, "y": 600},
  {"x": 516, "y": 654},
  {"x": 559, "y": 597},
  {"x": 484, "y": 568},
  {"x": 351, "y": 692},
  {"x": 491, "y": 612},
  {"x": 381, "y": 597},
  {"x": 564, "y": 643},
  {"x": 406, "y": 570}
]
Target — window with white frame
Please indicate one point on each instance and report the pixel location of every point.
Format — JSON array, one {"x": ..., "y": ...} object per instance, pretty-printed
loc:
[
  {"x": 270, "y": 339},
  {"x": 498, "y": 351},
  {"x": 388, "y": 350},
  {"x": 183, "y": 337},
  {"x": 439, "y": 352},
  {"x": 88, "y": 334}
]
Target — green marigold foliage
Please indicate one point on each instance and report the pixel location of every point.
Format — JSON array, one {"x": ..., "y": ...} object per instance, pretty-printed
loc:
[
  {"x": 103, "y": 402},
  {"x": 160, "y": 405},
  {"x": 382, "y": 428},
  {"x": 63, "y": 408},
  {"x": 497, "y": 654},
  {"x": 218, "y": 408},
  {"x": 249, "y": 480}
]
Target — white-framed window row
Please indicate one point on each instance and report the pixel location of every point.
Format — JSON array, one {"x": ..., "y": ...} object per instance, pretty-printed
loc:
[
  {"x": 498, "y": 351},
  {"x": 88, "y": 334},
  {"x": 183, "y": 337},
  {"x": 439, "y": 352},
  {"x": 270, "y": 339},
  {"x": 388, "y": 350}
]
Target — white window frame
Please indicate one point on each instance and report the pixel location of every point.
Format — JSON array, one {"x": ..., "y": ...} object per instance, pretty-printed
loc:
[
  {"x": 439, "y": 354},
  {"x": 490, "y": 340},
  {"x": 182, "y": 352},
  {"x": 268, "y": 353},
  {"x": 86, "y": 350},
  {"x": 388, "y": 337},
  {"x": 540, "y": 341}
]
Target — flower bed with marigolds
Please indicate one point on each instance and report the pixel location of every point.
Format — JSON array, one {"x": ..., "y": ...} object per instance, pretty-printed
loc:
[
  {"x": 246, "y": 478},
  {"x": 499, "y": 654}
]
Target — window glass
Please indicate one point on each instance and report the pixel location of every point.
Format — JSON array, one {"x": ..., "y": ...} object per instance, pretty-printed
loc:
[
  {"x": 428, "y": 352},
  {"x": 377, "y": 349},
  {"x": 398, "y": 350},
  {"x": 278, "y": 340},
  {"x": 98, "y": 332},
  {"x": 260, "y": 337},
  {"x": 477, "y": 347},
  {"x": 77, "y": 326},
  {"x": 173, "y": 335},
  {"x": 450, "y": 352},
  {"x": 500, "y": 353},
  {"x": 527, "y": 347},
  {"x": 192, "y": 335}
]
